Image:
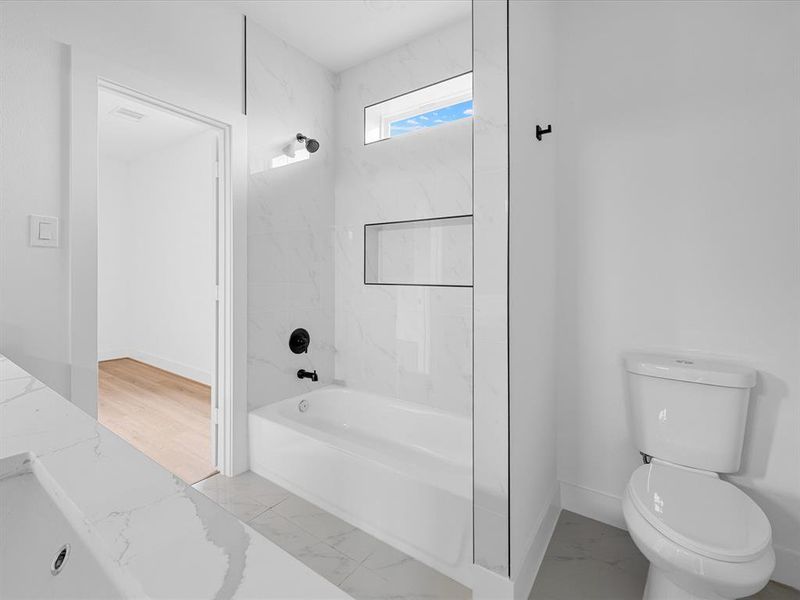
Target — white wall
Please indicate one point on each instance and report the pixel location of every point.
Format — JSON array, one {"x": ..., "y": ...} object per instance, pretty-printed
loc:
[
  {"x": 412, "y": 343},
  {"x": 290, "y": 219},
  {"x": 194, "y": 47},
  {"x": 157, "y": 258},
  {"x": 679, "y": 229},
  {"x": 34, "y": 172},
  {"x": 532, "y": 282}
]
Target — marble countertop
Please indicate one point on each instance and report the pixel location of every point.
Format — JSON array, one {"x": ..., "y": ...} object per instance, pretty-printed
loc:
[{"x": 173, "y": 541}]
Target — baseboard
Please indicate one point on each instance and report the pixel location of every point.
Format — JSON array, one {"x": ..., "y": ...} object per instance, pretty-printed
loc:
[
  {"x": 787, "y": 567},
  {"x": 594, "y": 504},
  {"x": 181, "y": 369},
  {"x": 523, "y": 582},
  {"x": 113, "y": 354}
]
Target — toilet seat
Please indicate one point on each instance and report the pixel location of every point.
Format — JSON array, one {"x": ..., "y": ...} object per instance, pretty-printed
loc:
[{"x": 700, "y": 512}]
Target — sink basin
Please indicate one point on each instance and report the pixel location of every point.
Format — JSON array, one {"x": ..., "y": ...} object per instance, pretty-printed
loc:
[{"x": 46, "y": 549}]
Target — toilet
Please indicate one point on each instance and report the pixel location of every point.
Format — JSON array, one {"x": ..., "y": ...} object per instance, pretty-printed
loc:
[{"x": 704, "y": 537}]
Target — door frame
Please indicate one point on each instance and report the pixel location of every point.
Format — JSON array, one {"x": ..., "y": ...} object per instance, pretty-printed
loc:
[{"x": 90, "y": 74}]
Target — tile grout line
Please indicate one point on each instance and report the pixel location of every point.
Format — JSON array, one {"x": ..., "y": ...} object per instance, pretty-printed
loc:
[{"x": 358, "y": 563}]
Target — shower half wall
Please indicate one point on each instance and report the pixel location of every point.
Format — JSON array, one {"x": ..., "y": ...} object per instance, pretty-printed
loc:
[{"x": 407, "y": 346}]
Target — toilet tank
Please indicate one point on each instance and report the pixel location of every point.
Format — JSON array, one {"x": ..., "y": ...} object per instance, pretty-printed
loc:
[{"x": 689, "y": 411}]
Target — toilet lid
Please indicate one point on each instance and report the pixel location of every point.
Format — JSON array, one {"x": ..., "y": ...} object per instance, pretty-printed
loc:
[{"x": 701, "y": 513}]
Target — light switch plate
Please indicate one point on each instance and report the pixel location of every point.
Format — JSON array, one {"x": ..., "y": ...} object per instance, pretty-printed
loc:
[{"x": 43, "y": 231}]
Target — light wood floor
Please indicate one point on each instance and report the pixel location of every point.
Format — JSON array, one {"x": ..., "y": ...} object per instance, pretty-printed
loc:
[{"x": 166, "y": 416}]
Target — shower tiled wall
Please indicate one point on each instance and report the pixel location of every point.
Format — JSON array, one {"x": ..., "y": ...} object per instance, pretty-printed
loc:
[
  {"x": 306, "y": 226},
  {"x": 290, "y": 219},
  {"x": 407, "y": 342}
]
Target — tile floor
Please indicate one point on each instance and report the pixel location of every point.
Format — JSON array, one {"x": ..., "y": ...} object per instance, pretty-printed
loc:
[
  {"x": 586, "y": 559},
  {"x": 358, "y": 563}
]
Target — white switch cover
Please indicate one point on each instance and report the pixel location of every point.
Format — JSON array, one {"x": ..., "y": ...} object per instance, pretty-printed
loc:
[{"x": 44, "y": 231}]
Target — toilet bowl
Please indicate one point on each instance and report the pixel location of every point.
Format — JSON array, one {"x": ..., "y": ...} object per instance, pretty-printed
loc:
[{"x": 704, "y": 538}]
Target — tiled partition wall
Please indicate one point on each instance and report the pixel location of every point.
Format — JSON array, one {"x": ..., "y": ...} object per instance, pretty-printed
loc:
[
  {"x": 407, "y": 342},
  {"x": 290, "y": 219},
  {"x": 491, "y": 414}
]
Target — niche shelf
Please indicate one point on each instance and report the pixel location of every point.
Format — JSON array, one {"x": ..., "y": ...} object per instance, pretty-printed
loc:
[{"x": 428, "y": 252}]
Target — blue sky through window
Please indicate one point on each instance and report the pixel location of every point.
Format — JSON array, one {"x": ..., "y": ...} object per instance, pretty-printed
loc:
[{"x": 454, "y": 112}]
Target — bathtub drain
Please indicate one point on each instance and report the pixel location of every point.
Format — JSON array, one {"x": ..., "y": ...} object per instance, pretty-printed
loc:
[
  {"x": 303, "y": 406},
  {"x": 60, "y": 559}
]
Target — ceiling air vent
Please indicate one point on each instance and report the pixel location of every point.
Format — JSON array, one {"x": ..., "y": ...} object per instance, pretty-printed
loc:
[{"x": 127, "y": 113}]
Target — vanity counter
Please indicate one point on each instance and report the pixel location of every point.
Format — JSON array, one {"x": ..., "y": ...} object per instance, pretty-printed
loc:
[{"x": 163, "y": 538}]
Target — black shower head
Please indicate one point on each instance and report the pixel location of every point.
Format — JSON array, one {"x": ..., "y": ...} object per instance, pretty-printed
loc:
[{"x": 311, "y": 144}]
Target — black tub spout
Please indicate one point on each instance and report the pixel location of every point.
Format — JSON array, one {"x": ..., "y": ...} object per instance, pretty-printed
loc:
[{"x": 303, "y": 374}]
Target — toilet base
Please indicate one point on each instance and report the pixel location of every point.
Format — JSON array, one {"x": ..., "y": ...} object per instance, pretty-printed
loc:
[{"x": 661, "y": 587}]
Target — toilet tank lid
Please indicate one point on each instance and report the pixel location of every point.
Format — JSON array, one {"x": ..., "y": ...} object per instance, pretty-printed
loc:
[{"x": 691, "y": 369}]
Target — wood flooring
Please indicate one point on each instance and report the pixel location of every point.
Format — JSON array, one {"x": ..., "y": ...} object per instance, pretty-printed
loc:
[{"x": 163, "y": 415}]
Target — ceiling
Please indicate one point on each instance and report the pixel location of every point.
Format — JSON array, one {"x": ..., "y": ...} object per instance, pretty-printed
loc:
[
  {"x": 340, "y": 34},
  {"x": 124, "y": 139}
]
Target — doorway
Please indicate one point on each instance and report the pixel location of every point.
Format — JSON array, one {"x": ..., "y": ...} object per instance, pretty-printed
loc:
[{"x": 158, "y": 281}]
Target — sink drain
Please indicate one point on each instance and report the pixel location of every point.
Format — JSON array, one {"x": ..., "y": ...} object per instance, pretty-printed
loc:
[{"x": 60, "y": 559}]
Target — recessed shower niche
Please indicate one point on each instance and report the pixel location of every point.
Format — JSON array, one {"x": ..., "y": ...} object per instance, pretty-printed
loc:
[{"x": 435, "y": 252}]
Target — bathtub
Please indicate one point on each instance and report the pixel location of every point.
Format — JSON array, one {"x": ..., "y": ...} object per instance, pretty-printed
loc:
[{"x": 398, "y": 470}]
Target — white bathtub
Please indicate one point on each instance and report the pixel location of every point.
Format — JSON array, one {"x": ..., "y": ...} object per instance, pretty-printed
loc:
[{"x": 400, "y": 471}]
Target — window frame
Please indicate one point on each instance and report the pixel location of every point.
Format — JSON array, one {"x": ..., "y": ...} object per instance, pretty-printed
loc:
[{"x": 386, "y": 120}]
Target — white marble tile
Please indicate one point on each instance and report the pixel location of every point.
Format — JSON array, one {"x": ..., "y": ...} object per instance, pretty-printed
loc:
[
  {"x": 406, "y": 577},
  {"x": 290, "y": 219},
  {"x": 354, "y": 543},
  {"x": 328, "y": 562},
  {"x": 311, "y": 518},
  {"x": 363, "y": 584},
  {"x": 390, "y": 340},
  {"x": 245, "y": 496},
  {"x": 288, "y": 535}
]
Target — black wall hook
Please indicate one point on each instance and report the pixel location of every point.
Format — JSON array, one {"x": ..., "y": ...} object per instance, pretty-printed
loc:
[{"x": 540, "y": 132}]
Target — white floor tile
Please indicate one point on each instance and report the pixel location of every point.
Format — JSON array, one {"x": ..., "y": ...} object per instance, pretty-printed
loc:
[
  {"x": 283, "y": 532},
  {"x": 313, "y": 519},
  {"x": 354, "y": 543},
  {"x": 328, "y": 562}
]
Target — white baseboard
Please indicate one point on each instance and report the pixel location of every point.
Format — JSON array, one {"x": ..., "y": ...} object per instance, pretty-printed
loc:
[
  {"x": 172, "y": 366},
  {"x": 523, "y": 582},
  {"x": 113, "y": 354},
  {"x": 787, "y": 567},
  {"x": 593, "y": 504}
]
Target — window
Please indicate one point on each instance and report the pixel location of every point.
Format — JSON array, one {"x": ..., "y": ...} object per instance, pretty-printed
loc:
[{"x": 431, "y": 106}]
